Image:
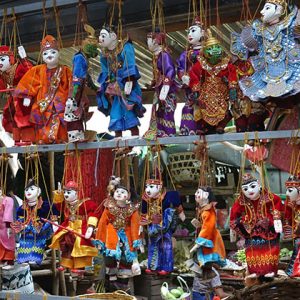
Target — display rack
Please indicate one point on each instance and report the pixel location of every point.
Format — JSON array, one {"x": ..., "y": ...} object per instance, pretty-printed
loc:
[{"x": 137, "y": 141}]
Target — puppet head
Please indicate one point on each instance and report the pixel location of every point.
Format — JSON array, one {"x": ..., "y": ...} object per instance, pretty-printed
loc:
[
  {"x": 204, "y": 196},
  {"x": 50, "y": 51},
  {"x": 153, "y": 188},
  {"x": 7, "y": 58},
  {"x": 108, "y": 37},
  {"x": 90, "y": 43},
  {"x": 155, "y": 39},
  {"x": 121, "y": 195},
  {"x": 293, "y": 189},
  {"x": 273, "y": 10},
  {"x": 213, "y": 50},
  {"x": 71, "y": 192},
  {"x": 32, "y": 193},
  {"x": 196, "y": 32},
  {"x": 251, "y": 188}
]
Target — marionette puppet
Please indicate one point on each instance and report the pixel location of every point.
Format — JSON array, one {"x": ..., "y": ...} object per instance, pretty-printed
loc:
[
  {"x": 291, "y": 227},
  {"x": 277, "y": 61},
  {"x": 187, "y": 59},
  {"x": 209, "y": 245},
  {"x": 77, "y": 105},
  {"x": 164, "y": 103},
  {"x": 213, "y": 80},
  {"x": 159, "y": 209},
  {"x": 45, "y": 88},
  {"x": 12, "y": 70},
  {"x": 118, "y": 236},
  {"x": 7, "y": 236},
  {"x": 256, "y": 217},
  {"x": 119, "y": 95},
  {"x": 34, "y": 232},
  {"x": 73, "y": 236},
  {"x": 248, "y": 115}
]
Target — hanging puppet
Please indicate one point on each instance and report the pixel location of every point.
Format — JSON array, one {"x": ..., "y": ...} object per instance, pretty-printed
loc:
[
  {"x": 213, "y": 80},
  {"x": 159, "y": 209},
  {"x": 79, "y": 216},
  {"x": 209, "y": 245},
  {"x": 119, "y": 95},
  {"x": 34, "y": 232},
  {"x": 11, "y": 71},
  {"x": 46, "y": 88},
  {"x": 77, "y": 105},
  {"x": 7, "y": 236},
  {"x": 292, "y": 219},
  {"x": 278, "y": 60},
  {"x": 189, "y": 124},
  {"x": 118, "y": 235},
  {"x": 255, "y": 216}
]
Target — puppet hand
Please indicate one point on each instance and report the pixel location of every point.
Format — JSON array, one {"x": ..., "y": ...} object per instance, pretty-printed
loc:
[
  {"x": 26, "y": 102},
  {"x": 22, "y": 52},
  {"x": 128, "y": 87},
  {"x": 135, "y": 268},
  {"x": 164, "y": 92},
  {"x": 278, "y": 226},
  {"x": 142, "y": 249},
  {"x": 185, "y": 79},
  {"x": 196, "y": 246},
  {"x": 9, "y": 232},
  {"x": 54, "y": 227},
  {"x": 182, "y": 216},
  {"x": 89, "y": 232},
  {"x": 233, "y": 94},
  {"x": 141, "y": 229}
]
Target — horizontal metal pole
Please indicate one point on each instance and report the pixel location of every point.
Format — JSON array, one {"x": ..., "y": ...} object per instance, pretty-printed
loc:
[
  {"x": 15, "y": 295},
  {"x": 126, "y": 142}
]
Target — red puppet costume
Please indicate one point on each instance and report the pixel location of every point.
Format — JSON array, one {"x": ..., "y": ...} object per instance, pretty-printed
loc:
[
  {"x": 80, "y": 216},
  {"x": 252, "y": 217},
  {"x": 11, "y": 72},
  {"x": 213, "y": 79}
]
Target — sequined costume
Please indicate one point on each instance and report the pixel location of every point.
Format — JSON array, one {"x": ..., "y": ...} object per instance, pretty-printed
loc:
[
  {"x": 277, "y": 64},
  {"x": 77, "y": 252},
  {"x": 118, "y": 235},
  {"x": 190, "y": 111},
  {"x": 213, "y": 83},
  {"x": 35, "y": 232},
  {"x": 160, "y": 251},
  {"x": 117, "y": 67},
  {"x": 162, "y": 116},
  {"x": 262, "y": 242}
]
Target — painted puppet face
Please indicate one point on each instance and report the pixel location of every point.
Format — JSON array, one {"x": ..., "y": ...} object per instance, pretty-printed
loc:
[
  {"x": 31, "y": 194},
  {"x": 106, "y": 39},
  {"x": 152, "y": 44},
  {"x": 252, "y": 190},
  {"x": 271, "y": 12},
  {"x": 213, "y": 53},
  {"x": 153, "y": 190},
  {"x": 4, "y": 63},
  {"x": 121, "y": 195},
  {"x": 50, "y": 58},
  {"x": 70, "y": 196},
  {"x": 195, "y": 34},
  {"x": 293, "y": 194},
  {"x": 201, "y": 197}
]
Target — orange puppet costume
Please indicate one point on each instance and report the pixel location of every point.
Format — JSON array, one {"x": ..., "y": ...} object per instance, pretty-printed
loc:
[
  {"x": 47, "y": 88},
  {"x": 77, "y": 252}
]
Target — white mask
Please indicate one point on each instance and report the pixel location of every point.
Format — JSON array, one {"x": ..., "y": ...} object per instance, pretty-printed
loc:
[
  {"x": 252, "y": 190},
  {"x": 201, "y": 197},
  {"x": 4, "y": 63},
  {"x": 107, "y": 39},
  {"x": 31, "y": 194},
  {"x": 70, "y": 196},
  {"x": 121, "y": 195},
  {"x": 153, "y": 190},
  {"x": 195, "y": 35},
  {"x": 271, "y": 13},
  {"x": 293, "y": 194},
  {"x": 50, "y": 58}
]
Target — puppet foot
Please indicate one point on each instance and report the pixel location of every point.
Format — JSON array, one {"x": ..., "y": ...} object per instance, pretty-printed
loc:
[
  {"x": 270, "y": 275},
  {"x": 163, "y": 273},
  {"x": 113, "y": 278},
  {"x": 253, "y": 275},
  {"x": 60, "y": 269},
  {"x": 149, "y": 271}
]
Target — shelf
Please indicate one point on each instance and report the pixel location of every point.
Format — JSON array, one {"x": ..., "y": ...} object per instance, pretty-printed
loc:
[{"x": 137, "y": 141}]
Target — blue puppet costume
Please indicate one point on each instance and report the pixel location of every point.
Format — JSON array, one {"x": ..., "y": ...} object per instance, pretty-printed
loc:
[
  {"x": 118, "y": 67},
  {"x": 34, "y": 232},
  {"x": 159, "y": 213}
]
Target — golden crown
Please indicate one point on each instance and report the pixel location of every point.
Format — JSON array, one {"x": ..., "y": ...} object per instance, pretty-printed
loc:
[
  {"x": 210, "y": 41},
  {"x": 277, "y": 2}
]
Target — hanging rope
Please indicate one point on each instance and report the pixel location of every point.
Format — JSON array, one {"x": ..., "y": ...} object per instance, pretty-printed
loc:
[{"x": 57, "y": 22}]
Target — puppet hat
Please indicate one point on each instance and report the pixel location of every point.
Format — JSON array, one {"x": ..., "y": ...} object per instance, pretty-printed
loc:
[{"x": 49, "y": 42}]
